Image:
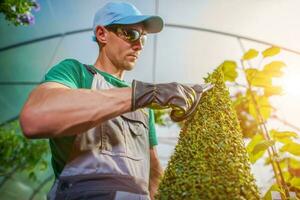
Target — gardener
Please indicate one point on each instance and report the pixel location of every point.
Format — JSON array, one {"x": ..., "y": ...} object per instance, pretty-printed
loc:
[{"x": 101, "y": 131}]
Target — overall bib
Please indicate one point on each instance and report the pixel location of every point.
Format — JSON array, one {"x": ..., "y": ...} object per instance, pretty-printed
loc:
[{"x": 110, "y": 161}]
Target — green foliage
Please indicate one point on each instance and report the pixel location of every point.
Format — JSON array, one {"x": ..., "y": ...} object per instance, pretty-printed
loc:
[
  {"x": 261, "y": 103},
  {"x": 291, "y": 147},
  {"x": 20, "y": 154},
  {"x": 252, "y": 53},
  {"x": 252, "y": 103},
  {"x": 255, "y": 155},
  {"x": 272, "y": 51},
  {"x": 18, "y": 12},
  {"x": 229, "y": 70},
  {"x": 210, "y": 160},
  {"x": 161, "y": 117},
  {"x": 24, "y": 164},
  {"x": 273, "y": 69},
  {"x": 262, "y": 146}
]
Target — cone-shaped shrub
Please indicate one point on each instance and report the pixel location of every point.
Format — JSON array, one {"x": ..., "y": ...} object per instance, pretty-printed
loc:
[{"x": 210, "y": 160}]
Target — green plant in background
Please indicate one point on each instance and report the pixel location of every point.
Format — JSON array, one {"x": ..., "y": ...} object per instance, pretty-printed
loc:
[
  {"x": 22, "y": 156},
  {"x": 18, "y": 153},
  {"x": 252, "y": 103},
  {"x": 210, "y": 160},
  {"x": 18, "y": 12}
]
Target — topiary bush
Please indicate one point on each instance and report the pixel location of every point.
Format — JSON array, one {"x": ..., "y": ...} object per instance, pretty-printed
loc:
[{"x": 210, "y": 160}]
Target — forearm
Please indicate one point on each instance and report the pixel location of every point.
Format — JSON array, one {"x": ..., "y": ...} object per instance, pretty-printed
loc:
[
  {"x": 156, "y": 172},
  {"x": 62, "y": 111}
]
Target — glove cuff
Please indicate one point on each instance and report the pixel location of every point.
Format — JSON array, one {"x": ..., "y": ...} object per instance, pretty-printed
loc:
[{"x": 143, "y": 94}]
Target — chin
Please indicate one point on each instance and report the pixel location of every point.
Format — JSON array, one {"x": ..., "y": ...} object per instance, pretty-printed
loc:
[{"x": 129, "y": 66}]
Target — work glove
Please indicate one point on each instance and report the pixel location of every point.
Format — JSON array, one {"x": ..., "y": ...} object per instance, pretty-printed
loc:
[{"x": 182, "y": 99}]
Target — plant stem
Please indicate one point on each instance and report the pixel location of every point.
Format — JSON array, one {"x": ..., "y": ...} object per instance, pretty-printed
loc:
[{"x": 272, "y": 153}]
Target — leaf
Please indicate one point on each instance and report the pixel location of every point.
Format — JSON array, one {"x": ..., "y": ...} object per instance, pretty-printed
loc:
[
  {"x": 295, "y": 182},
  {"x": 283, "y": 163},
  {"x": 283, "y": 134},
  {"x": 273, "y": 90},
  {"x": 286, "y": 175},
  {"x": 229, "y": 70},
  {"x": 258, "y": 78},
  {"x": 251, "y": 73},
  {"x": 261, "y": 80},
  {"x": 263, "y": 146},
  {"x": 263, "y": 105},
  {"x": 272, "y": 51},
  {"x": 250, "y": 147},
  {"x": 293, "y": 148},
  {"x": 250, "y": 54},
  {"x": 284, "y": 140},
  {"x": 284, "y": 137},
  {"x": 274, "y": 69},
  {"x": 254, "y": 141},
  {"x": 294, "y": 163},
  {"x": 294, "y": 167}
]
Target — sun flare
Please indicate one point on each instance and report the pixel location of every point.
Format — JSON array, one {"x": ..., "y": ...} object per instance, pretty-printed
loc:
[{"x": 289, "y": 82}]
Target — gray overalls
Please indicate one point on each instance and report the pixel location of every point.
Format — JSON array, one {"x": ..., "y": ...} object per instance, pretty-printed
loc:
[{"x": 110, "y": 161}]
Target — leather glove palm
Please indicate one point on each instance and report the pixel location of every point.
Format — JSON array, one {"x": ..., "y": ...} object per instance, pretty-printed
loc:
[{"x": 182, "y": 99}]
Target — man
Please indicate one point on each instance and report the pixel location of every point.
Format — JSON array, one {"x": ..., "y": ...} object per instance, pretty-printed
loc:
[{"x": 101, "y": 131}]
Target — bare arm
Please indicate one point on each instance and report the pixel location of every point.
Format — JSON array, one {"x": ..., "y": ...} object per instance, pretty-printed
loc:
[
  {"x": 53, "y": 109},
  {"x": 156, "y": 172}
]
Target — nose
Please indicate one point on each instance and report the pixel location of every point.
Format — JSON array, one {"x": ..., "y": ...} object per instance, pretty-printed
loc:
[{"x": 138, "y": 45}]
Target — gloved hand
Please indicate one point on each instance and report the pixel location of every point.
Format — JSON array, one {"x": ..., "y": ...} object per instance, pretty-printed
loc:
[{"x": 182, "y": 99}]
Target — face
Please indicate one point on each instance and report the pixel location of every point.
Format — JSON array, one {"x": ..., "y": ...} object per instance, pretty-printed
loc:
[{"x": 124, "y": 45}]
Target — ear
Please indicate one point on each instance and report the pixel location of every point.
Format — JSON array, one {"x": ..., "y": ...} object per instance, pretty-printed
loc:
[{"x": 101, "y": 34}]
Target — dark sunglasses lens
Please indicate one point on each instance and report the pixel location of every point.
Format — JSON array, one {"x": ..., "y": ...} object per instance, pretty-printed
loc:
[{"x": 132, "y": 35}]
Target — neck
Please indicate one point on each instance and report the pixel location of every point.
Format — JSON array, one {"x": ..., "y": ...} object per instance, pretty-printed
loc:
[{"x": 104, "y": 64}]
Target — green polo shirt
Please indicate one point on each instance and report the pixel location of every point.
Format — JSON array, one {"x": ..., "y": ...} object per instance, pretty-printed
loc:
[{"x": 74, "y": 74}]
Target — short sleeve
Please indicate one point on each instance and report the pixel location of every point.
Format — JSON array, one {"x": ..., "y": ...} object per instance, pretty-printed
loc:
[
  {"x": 66, "y": 72},
  {"x": 152, "y": 131}
]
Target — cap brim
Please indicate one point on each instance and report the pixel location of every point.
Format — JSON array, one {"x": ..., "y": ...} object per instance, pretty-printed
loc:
[{"x": 153, "y": 24}]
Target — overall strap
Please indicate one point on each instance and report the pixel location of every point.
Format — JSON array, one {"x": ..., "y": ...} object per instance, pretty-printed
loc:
[{"x": 90, "y": 69}]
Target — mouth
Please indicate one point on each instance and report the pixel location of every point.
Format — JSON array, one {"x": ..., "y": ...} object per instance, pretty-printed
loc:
[{"x": 133, "y": 56}]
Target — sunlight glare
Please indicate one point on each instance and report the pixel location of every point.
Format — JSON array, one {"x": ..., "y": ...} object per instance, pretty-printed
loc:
[{"x": 290, "y": 84}]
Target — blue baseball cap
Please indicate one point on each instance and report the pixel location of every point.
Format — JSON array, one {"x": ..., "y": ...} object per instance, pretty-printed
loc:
[{"x": 125, "y": 13}]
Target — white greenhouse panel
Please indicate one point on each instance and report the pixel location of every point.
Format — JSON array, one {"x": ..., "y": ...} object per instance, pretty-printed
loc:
[
  {"x": 187, "y": 55},
  {"x": 59, "y": 17},
  {"x": 28, "y": 62},
  {"x": 273, "y": 21},
  {"x": 12, "y": 99}
]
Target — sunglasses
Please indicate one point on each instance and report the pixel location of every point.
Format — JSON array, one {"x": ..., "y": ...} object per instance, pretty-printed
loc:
[{"x": 129, "y": 34}]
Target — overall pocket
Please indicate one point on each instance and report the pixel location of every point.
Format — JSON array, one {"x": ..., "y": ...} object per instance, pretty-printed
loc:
[
  {"x": 136, "y": 134},
  {"x": 126, "y": 135},
  {"x": 113, "y": 139}
]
